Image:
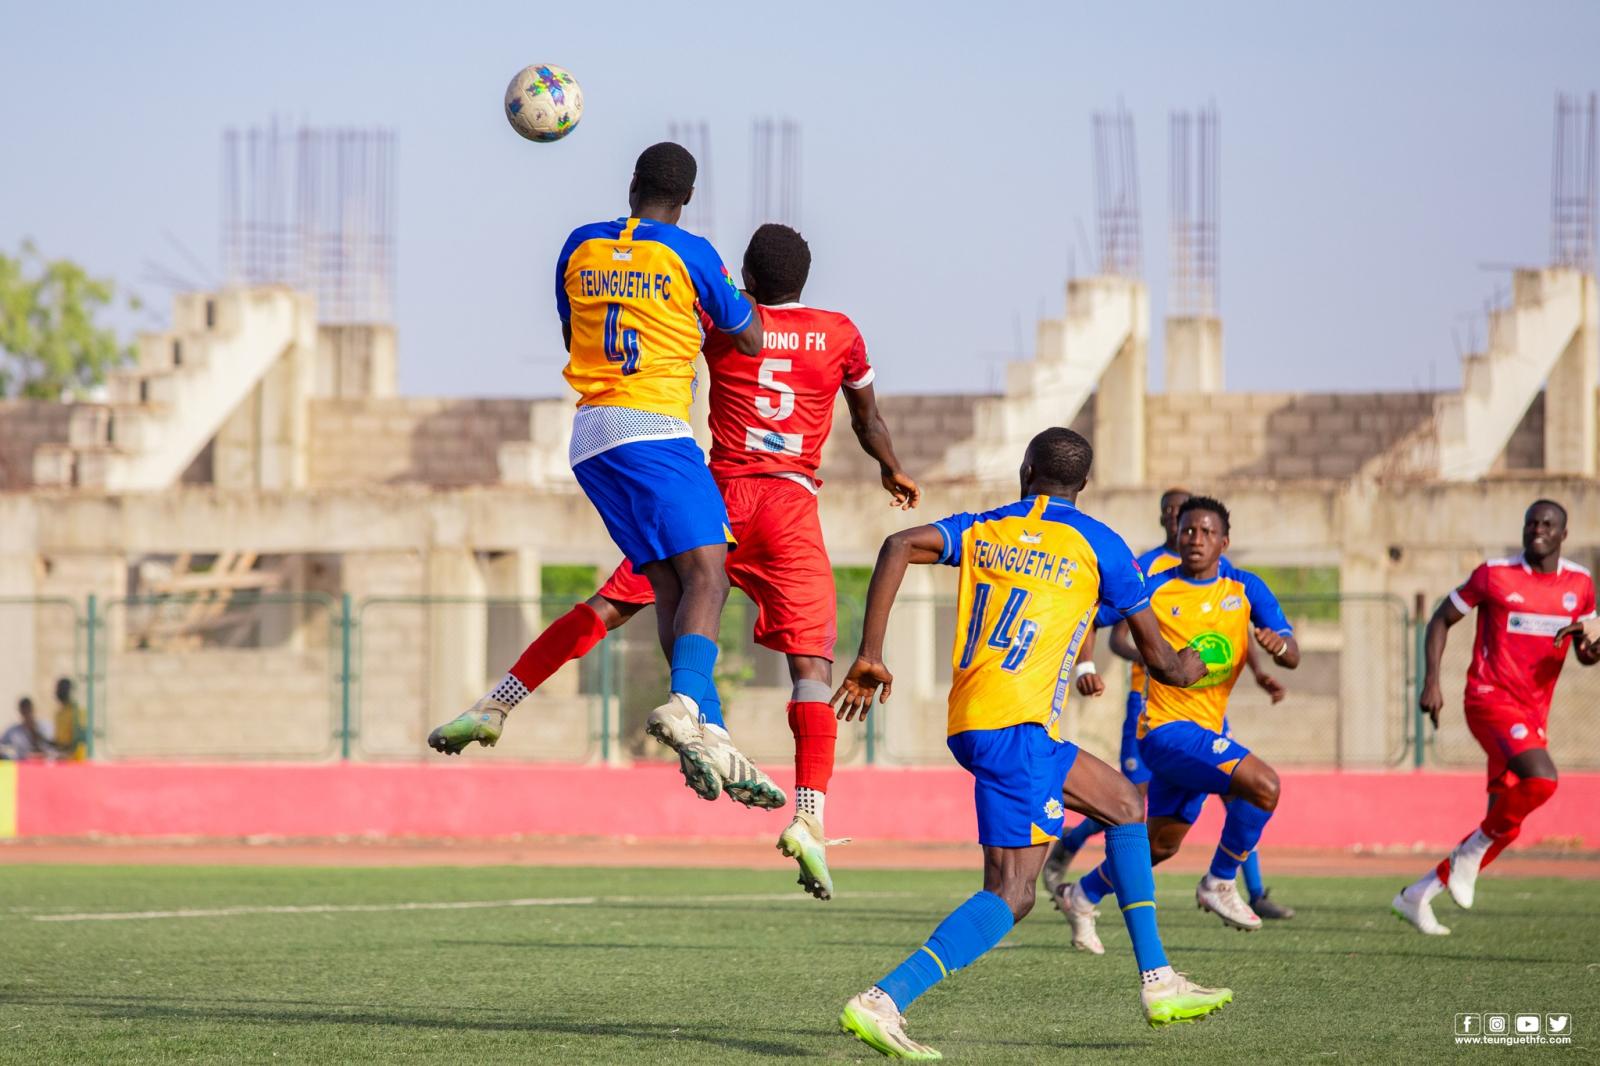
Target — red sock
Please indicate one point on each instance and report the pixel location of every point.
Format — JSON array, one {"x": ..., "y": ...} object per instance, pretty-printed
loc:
[
  {"x": 815, "y": 732},
  {"x": 1503, "y": 824},
  {"x": 569, "y": 637},
  {"x": 1505, "y": 819}
]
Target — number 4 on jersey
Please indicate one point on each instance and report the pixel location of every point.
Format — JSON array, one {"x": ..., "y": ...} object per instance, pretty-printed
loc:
[{"x": 621, "y": 345}]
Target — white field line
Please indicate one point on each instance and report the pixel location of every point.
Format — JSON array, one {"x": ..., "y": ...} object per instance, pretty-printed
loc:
[{"x": 447, "y": 905}]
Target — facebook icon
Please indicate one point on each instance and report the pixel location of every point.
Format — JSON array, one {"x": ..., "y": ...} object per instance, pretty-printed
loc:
[{"x": 1469, "y": 1025}]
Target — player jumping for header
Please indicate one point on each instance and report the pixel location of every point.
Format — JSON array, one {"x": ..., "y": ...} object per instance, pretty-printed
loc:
[
  {"x": 1529, "y": 609},
  {"x": 1032, "y": 573},
  {"x": 1207, "y": 604},
  {"x": 630, "y": 293},
  {"x": 769, "y": 419},
  {"x": 1157, "y": 560}
]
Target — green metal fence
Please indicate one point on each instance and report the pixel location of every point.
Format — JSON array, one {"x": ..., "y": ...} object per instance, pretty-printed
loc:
[{"x": 312, "y": 676}]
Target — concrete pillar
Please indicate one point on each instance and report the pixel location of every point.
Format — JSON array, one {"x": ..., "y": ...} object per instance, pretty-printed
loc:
[
  {"x": 1569, "y": 396},
  {"x": 1372, "y": 638},
  {"x": 457, "y": 633},
  {"x": 1119, "y": 412},
  {"x": 1194, "y": 354}
]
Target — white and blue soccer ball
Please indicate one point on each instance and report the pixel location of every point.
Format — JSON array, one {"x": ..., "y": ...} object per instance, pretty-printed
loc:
[{"x": 544, "y": 102}]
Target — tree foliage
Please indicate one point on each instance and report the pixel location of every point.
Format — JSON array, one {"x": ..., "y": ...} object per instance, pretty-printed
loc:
[{"x": 51, "y": 342}]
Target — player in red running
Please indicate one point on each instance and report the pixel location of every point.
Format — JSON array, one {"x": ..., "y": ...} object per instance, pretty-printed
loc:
[
  {"x": 770, "y": 415},
  {"x": 1527, "y": 607}
]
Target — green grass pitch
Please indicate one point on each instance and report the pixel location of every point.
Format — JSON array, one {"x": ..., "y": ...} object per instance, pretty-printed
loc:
[{"x": 649, "y": 970}]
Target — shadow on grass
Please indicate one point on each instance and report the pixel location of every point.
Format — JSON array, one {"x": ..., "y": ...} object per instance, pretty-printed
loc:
[{"x": 149, "y": 1008}]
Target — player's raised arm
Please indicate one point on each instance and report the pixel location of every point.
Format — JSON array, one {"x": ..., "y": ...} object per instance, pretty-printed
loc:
[
  {"x": 873, "y": 435},
  {"x": 1271, "y": 627},
  {"x": 921, "y": 544}
]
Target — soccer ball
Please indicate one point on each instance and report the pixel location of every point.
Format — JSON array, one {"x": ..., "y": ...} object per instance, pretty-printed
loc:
[{"x": 544, "y": 103}]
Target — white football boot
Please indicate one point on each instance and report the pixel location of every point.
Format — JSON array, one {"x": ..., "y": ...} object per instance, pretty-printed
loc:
[
  {"x": 1222, "y": 899},
  {"x": 1080, "y": 915},
  {"x": 1419, "y": 912}
]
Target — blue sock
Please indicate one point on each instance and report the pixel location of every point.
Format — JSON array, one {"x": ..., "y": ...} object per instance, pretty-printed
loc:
[
  {"x": 961, "y": 939},
  {"x": 1096, "y": 885},
  {"x": 693, "y": 658},
  {"x": 1128, "y": 856},
  {"x": 711, "y": 707},
  {"x": 1080, "y": 834},
  {"x": 1252, "y": 876},
  {"x": 1241, "y": 832}
]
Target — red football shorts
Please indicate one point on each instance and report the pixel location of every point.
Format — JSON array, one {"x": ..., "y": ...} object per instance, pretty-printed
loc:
[
  {"x": 1504, "y": 731},
  {"x": 780, "y": 562}
]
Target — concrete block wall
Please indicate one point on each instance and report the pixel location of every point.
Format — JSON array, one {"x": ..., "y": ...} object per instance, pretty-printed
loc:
[
  {"x": 24, "y": 425},
  {"x": 440, "y": 442},
  {"x": 269, "y": 702},
  {"x": 923, "y": 429},
  {"x": 1281, "y": 436}
]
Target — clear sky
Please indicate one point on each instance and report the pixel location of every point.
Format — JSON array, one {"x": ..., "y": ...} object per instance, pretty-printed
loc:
[{"x": 1374, "y": 156}]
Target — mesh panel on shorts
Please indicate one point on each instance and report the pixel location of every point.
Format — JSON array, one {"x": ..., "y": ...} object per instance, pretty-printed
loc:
[{"x": 597, "y": 429}]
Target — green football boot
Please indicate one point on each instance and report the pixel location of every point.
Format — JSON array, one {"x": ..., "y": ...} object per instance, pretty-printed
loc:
[
  {"x": 804, "y": 843},
  {"x": 1178, "y": 999},
  {"x": 873, "y": 1019},
  {"x": 482, "y": 723}
]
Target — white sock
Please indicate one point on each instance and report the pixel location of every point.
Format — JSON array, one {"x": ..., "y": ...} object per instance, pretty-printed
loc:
[
  {"x": 1157, "y": 975},
  {"x": 692, "y": 704},
  {"x": 509, "y": 691},
  {"x": 717, "y": 729},
  {"x": 1475, "y": 845},
  {"x": 1424, "y": 888},
  {"x": 809, "y": 800}
]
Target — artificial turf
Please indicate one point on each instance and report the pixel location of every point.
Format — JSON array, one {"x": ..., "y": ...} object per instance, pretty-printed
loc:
[{"x": 667, "y": 976}]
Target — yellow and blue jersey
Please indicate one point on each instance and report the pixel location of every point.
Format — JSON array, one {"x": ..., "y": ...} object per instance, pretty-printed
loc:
[
  {"x": 632, "y": 290},
  {"x": 1216, "y": 619},
  {"x": 1032, "y": 573},
  {"x": 1157, "y": 560}
]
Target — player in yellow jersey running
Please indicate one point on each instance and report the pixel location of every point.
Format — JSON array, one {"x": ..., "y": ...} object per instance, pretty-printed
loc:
[
  {"x": 1157, "y": 560},
  {"x": 1031, "y": 576},
  {"x": 1208, "y": 604}
]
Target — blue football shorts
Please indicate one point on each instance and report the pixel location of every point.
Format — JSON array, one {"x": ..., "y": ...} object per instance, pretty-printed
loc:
[
  {"x": 1018, "y": 773},
  {"x": 656, "y": 498},
  {"x": 1187, "y": 763}
]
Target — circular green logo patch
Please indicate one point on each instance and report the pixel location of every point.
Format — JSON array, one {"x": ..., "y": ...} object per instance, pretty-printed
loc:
[{"x": 1216, "y": 651}]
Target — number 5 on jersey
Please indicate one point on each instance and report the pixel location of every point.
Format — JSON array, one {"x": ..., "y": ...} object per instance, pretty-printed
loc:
[{"x": 621, "y": 345}]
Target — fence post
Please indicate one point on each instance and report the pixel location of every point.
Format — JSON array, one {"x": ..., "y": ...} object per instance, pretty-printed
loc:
[
  {"x": 89, "y": 690},
  {"x": 1420, "y": 626},
  {"x": 607, "y": 672},
  {"x": 346, "y": 626}
]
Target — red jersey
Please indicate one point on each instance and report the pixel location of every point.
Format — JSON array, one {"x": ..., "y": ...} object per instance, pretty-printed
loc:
[
  {"x": 771, "y": 412},
  {"x": 1515, "y": 658}
]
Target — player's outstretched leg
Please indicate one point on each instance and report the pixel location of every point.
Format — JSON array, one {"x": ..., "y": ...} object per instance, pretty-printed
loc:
[
  {"x": 1167, "y": 996},
  {"x": 877, "y": 1016},
  {"x": 1261, "y": 900},
  {"x": 1252, "y": 797},
  {"x": 816, "y": 732},
  {"x": 1503, "y": 825},
  {"x": 569, "y": 637},
  {"x": 1414, "y": 904}
]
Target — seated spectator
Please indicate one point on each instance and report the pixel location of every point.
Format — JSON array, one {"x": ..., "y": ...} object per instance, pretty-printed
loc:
[
  {"x": 71, "y": 733},
  {"x": 25, "y": 740}
]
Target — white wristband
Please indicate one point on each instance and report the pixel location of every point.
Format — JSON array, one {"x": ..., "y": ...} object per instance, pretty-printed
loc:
[{"x": 1083, "y": 668}]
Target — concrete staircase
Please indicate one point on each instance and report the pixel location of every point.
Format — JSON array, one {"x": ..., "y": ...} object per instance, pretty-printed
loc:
[
  {"x": 1544, "y": 335},
  {"x": 1106, "y": 317},
  {"x": 185, "y": 385}
]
